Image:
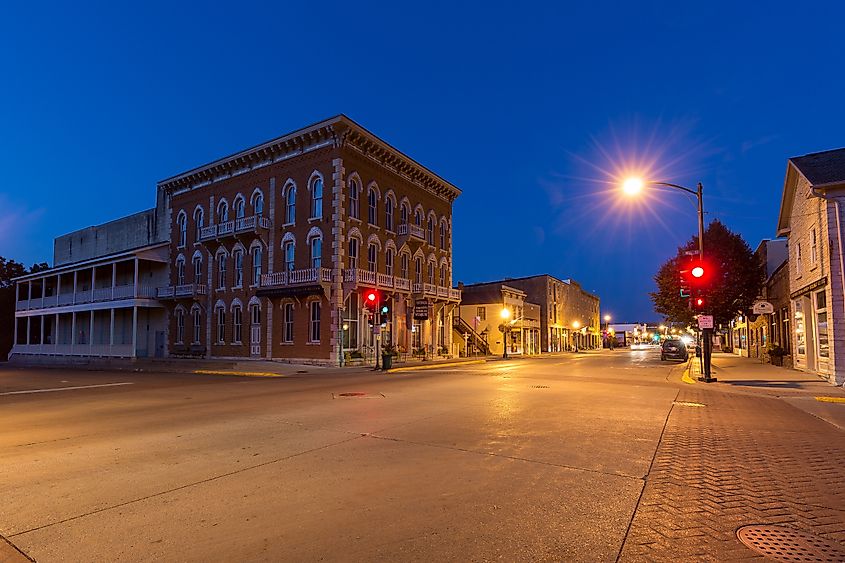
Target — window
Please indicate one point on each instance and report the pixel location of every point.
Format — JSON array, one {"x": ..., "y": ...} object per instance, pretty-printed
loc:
[
  {"x": 799, "y": 266},
  {"x": 258, "y": 203},
  {"x": 429, "y": 235},
  {"x": 197, "y": 324},
  {"x": 813, "y": 248},
  {"x": 316, "y": 252},
  {"x": 443, "y": 276},
  {"x": 314, "y": 333},
  {"x": 403, "y": 215},
  {"x": 256, "y": 265},
  {"x": 481, "y": 313},
  {"x": 290, "y": 206},
  {"x": 239, "y": 268},
  {"x": 372, "y": 201},
  {"x": 221, "y": 325},
  {"x": 223, "y": 212},
  {"x": 388, "y": 261},
  {"x": 800, "y": 336},
  {"x": 290, "y": 254},
  {"x": 221, "y": 271},
  {"x": 199, "y": 222},
  {"x": 237, "y": 324},
  {"x": 418, "y": 270},
  {"x": 287, "y": 319},
  {"x": 372, "y": 253},
  {"x": 182, "y": 223},
  {"x": 388, "y": 214},
  {"x": 350, "y": 323},
  {"x": 353, "y": 253},
  {"x": 404, "y": 266},
  {"x": 431, "y": 268},
  {"x": 317, "y": 198},
  {"x": 240, "y": 208},
  {"x": 180, "y": 271},
  {"x": 418, "y": 218},
  {"x": 197, "y": 269},
  {"x": 354, "y": 203},
  {"x": 443, "y": 235},
  {"x": 821, "y": 324},
  {"x": 255, "y": 314},
  {"x": 180, "y": 326}
]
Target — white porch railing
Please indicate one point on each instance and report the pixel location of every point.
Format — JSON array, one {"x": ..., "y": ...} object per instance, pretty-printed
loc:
[
  {"x": 208, "y": 232},
  {"x": 403, "y": 284},
  {"x": 105, "y": 350}
]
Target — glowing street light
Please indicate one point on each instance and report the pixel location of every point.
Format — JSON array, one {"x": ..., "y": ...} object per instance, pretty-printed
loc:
[
  {"x": 505, "y": 314},
  {"x": 632, "y": 186}
]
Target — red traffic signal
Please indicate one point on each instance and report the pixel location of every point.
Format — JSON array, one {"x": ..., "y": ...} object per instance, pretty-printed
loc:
[
  {"x": 698, "y": 302},
  {"x": 698, "y": 272},
  {"x": 371, "y": 299}
]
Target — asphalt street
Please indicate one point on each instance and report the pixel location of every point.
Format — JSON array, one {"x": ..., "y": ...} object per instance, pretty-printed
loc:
[{"x": 527, "y": 459}]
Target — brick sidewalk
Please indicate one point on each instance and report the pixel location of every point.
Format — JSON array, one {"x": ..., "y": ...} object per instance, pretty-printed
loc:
[{"x": 738, "y": 460}]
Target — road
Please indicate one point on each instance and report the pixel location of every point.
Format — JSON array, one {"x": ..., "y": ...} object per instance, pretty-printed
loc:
[{"x": 528, "y": 459}]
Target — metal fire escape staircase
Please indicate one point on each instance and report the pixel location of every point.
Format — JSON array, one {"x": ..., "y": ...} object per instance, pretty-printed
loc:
[{"x": 473, "y": 338}]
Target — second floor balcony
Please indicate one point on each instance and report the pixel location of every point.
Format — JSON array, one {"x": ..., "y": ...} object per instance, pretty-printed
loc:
[
  {"x": 409, "y": 229},
  {"x": 83, "y": 296},
  {"x": 235, "y": 227},
  {"x": 296, "y": 277},
  {"x": 182, "y": 291}
]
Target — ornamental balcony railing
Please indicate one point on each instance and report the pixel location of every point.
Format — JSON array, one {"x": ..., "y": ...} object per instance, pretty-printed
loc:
[
  {"x": 410, "y": 229},
  {"x": 192, "y": 290},
  {"x": 296, "y": 277},
  {"x": 376, "y": 279},
  {"x": 96, "y": 295},
  {"x": 237, "y": 226}
]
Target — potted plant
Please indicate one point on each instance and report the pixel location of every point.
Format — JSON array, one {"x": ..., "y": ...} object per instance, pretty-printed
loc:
[
  {"x": 387, "y": 353},
  {"x": 776, "y": 353}
]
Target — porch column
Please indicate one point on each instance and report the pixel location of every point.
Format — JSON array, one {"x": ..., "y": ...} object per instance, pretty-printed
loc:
[
  {"x": 28, "y": 329},
  {"x": 91, "y": 332},
  {"x": 41, "y": 318},
  {"x": 56, "y": 338},
  {"x": 15, "y": 341},
  {"x": 111, "y": 328},
  {"x": 113, "y": 277},
  {"x": 58, "y": 292},
  {"x": 135, "y": 323},
  {"x": 74, "y": 288},
  {"x": 93, "y": 280},
  {"x": 136, "y": 277},
  {"x": 72, "y": 330},
  {"x": 29, "y": 290}
]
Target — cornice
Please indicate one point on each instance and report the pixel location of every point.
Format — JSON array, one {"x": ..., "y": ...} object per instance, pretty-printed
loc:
[{"x": 338, "y": 131}]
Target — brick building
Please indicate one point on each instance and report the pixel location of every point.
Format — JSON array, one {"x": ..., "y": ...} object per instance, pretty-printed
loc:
[
  {"x": 812, "y": 218},
  {"x": 481, "y": 317},
  {"x": 266, "y": 253}
]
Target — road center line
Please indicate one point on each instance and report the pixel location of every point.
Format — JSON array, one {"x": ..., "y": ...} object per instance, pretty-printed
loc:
[{"x": 29, "y": 391}]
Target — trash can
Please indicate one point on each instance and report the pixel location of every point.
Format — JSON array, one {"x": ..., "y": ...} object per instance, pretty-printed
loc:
[{"x": 386, "y": 361}]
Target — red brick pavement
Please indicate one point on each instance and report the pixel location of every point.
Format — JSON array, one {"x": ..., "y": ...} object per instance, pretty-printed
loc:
[{"x": 735, "y": 461}]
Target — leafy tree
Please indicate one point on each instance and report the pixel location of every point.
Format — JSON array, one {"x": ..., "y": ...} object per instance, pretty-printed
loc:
[
  {"x": 735, "y": 277},
  {"x": 10, "y": 269}
]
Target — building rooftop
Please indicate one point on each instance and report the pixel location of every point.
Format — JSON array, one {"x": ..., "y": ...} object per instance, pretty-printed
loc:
[{"x": 822, "y": 168}]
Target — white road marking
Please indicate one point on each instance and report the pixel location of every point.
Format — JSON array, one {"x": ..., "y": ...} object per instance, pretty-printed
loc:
[{"x": 64, "y": 388}]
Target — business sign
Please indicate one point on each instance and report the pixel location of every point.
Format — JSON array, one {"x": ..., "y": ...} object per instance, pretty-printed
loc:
[
  {"x": 705, "y": 321},
  {"x": 421, "y": 310},
  {"x": 762, "y": 308}
]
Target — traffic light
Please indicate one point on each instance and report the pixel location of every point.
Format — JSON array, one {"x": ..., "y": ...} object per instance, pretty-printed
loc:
[
  {"x": 699, "y": 302},
  {"x": 371, "y": 300},
  {"x": 385, "y": 312}
]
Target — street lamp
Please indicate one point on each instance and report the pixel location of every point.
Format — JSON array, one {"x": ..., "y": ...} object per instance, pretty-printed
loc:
[
  {"x": 505, "y": 314},
  {"x": 575, "y": 326},
  {"x": 607, "y": 331}
]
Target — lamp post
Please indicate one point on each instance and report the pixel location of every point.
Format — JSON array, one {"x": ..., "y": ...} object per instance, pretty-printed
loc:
[
  {"x": 575, "y": 326},
  {"x": 505, "y": 314},
  {"x": 607, "y": 331},
  {"x": 632, "y": 186}
]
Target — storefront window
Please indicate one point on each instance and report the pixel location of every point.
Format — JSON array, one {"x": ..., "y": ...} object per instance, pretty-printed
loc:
[
  {"x": 800, "y": 336},
  {"x": 350, "y": 323},
  {"x": 821, "y": 324}
]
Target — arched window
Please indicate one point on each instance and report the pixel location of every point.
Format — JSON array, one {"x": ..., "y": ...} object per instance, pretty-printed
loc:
[
  {"x": 404, "y": 266},
  {"x": 182, "y": 224},
  {"x": 240, "y": 208},
  {"x": 388, "y": 214},
  {"x": 443, "y": 235},
  {"x": 316, "y": 252},
  {"x": 372, "y": 205},
  {"x": 430, "y": 231},
  {"x": 314, "y": 321},
  {"x": 199, "y": 222},
  {"x": 418, "y": 266},
  {"x": 287, "y": 319},
  {"x": 443, "y": 276},
  {"x": 180, "y": 325},
  {"x": 372, "y": 257},
  {"x": 221, "y": 270},
  {"x": 180, "y": 270},
  {"x": 404, "y": 211},
  {"x": 418, "y": 218},
  {"x": 238, "y": 258},
  {"x": 431, "y": 268},
  {"x": 354, "y": 203},
  {"x": 289, "y": 247},
  {"x": 256, "y": 265},
  {"x": 197, "y": 268},
  {"x": 353, "y": 253},
  {"x": 388, "y": 261},
  {"x": 290, "y": 205},
  {"x": 317, "y": 198},
  {"x": 221, "y": 324},
  {"x": 197, "y": 322},
  {"x": 222, "y": 212},
  {"x": 258, "y": 203},
  {"x": 237, "y": 324}
]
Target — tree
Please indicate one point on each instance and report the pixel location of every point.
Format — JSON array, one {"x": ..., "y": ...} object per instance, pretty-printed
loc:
[
  {"x": 9, "y": 269},
  {"x": 736, "y": 277}
]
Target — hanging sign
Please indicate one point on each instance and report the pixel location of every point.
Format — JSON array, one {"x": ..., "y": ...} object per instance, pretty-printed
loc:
[
  {"x": 762, "y": 308},
  {"x": 421, "y": 310}
]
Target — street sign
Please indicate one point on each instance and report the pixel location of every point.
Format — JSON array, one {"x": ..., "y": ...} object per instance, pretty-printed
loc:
[
  {"x": 762, "y": 308},
  {"x": 705, "y": 321},
  {"x": 421, "y": 310}
]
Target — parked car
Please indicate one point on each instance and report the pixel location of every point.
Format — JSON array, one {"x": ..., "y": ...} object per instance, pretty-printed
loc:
[{"x": 674, "y": 349}]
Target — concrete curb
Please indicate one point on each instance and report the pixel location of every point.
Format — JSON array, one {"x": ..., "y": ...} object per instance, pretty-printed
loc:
[
  {"x": 237, "y": 373},
  {"x": 686, "y": 375},
  {"x": 435, "y": 366}
]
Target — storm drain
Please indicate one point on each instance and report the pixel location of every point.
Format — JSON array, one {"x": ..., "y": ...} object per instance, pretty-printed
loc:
[
  {"x": 539, "y": 386},
  {"x": 786, "y": 544},
  {"x": 687, "y": 404},
  {"x": 357, "y": 395}
]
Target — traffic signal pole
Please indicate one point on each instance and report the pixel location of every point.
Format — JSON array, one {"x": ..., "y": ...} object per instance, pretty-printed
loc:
[{"x": 706, "y": 333}]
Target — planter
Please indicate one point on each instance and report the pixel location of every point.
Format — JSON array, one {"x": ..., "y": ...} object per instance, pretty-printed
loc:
[
  {"x": 386, "y": 361},
  {"x": 776, "y": 360}
]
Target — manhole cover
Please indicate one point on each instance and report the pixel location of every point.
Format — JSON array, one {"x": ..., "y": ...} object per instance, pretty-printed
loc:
[
  {"x": 786, "y": 544},
  {"x": 539, "y": 386},
  {"x": 687, "y": 404},
  {"x": 357, "y": 395}
]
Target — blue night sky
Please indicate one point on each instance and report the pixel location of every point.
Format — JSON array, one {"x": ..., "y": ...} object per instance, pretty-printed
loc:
[{"x": 531, "y": 109}]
